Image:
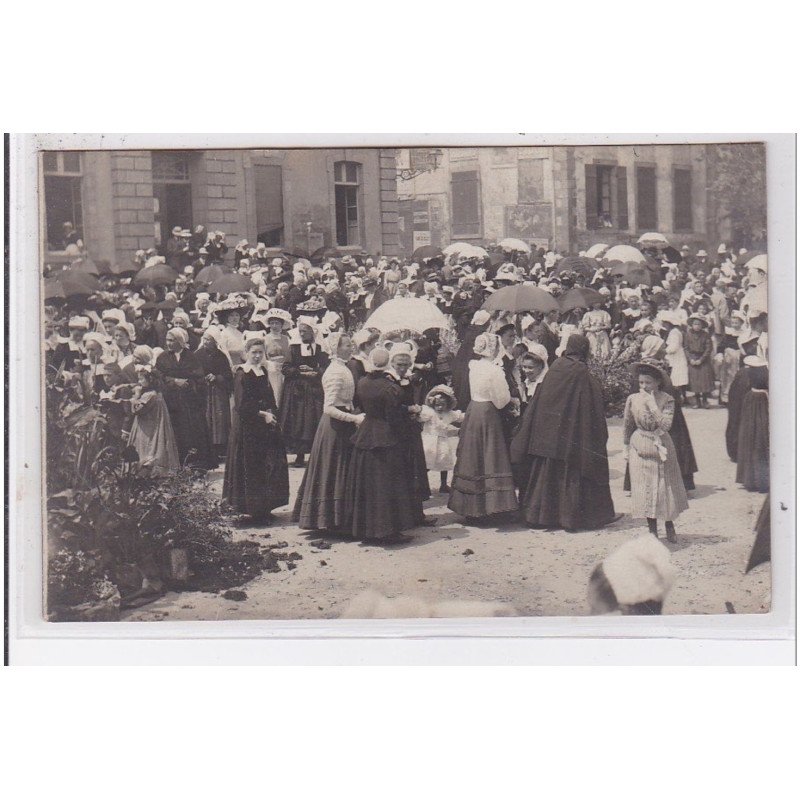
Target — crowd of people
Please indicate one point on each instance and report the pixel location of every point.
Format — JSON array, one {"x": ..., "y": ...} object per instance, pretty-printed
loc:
[{"x": 506, "y": 407}]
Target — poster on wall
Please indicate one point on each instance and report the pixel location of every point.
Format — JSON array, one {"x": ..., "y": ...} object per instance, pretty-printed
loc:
[
  {"x": 528, "y": 222},
  {"x": 421, "y": 238}
]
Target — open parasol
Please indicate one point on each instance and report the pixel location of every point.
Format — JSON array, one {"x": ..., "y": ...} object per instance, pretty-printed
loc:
[
  {"x": 426, "y": 251},
  {"x": 515, "y": 244},
  {"x": 579, "y": 297},
  {"x": 596, "y": 250},
  {"x": 209, "y": 274},
  {"x": 323, "y": 253},
  {"x": 755, "y": 261},
  {"x": 519, "y": 298},
  {"x": 53, "y": 290},
  {"x": 406, "y": 313},
  {"x": 653, "y": 240},
  {"x": 155, "y": 275},
  {"x": 455, "y": 247},
  {"x": 622, "y": 254},
  {"x": 231, "y": 282},
  {"x": 582, "y": 264},
  {"x": 76, "y": 283}
]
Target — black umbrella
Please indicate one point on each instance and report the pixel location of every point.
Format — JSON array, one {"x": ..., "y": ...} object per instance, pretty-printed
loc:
[
  {"x": 209, "y": 273},
  {"x": 579, "y": 297},
  {"x": 53, "y": 290},
  {"x": 581, "y": 264},
  {"x": 672, "y": 255},
  {"x": 75, "y": 283},
  {"x": 519, "y": 298},
  {"x": 326, "y": 252},
  {"x": 85, "y": 264},
  {"x": 156, "y": 275},
  {"x": 426, "y": 251},
  {"x": 231, "y": 283}
]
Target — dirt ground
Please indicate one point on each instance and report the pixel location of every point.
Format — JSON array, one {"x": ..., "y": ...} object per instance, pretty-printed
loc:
[{"x": 535, "y": 572}]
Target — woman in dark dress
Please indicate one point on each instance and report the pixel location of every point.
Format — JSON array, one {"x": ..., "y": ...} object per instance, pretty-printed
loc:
[
  {"x": 364, "y": 342},
  {"x": 301, "y": 405},
  {"x": 380, "y": 499},
  {"x": 256, "y": 474},
  {"x": 183, "y": 393},
  {"x": 217, "y": 389},
  {"x": 401, "y": 359},
  {"x": 320, "y": 501},
  {"x": 752, "y": 466},
  {"x": 737, "y": 391},
  {"x": 561, "y": 448}
]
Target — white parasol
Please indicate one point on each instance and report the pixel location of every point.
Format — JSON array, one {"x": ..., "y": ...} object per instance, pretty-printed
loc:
[
  {"x": 515, "y": 244},
  {"x": 596, "y": 250},
  {"x": 406, "y": 313},
  {"x": 624, "y": 254},
  {"x": 653, "y": 240}
]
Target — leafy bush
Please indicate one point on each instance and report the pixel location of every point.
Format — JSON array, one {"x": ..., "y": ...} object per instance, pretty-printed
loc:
[
  {"x": 112, "y": 525},
  {"x": 614, "y": 374}
]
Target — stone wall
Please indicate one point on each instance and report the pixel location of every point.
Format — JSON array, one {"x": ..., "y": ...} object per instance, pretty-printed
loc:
[{"x": 132, "y": 202}]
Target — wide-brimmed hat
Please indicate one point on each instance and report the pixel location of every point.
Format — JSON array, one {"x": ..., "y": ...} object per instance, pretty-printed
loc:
[
  {"x": 699, "y": 318},
  {"x": 648, "y": 366},
  {"x": 441, "y": 389},
  {"x": 702, "y": 253},
  {"x": 276, "y": 313},
  {"x": 755, "y": 361}
]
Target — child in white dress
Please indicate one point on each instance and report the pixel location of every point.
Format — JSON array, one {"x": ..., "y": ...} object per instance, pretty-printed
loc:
[{"x": 440, "y": 423}]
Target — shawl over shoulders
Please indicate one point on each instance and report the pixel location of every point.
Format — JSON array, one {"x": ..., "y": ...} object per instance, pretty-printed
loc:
[{"x": 566, "y": 421}]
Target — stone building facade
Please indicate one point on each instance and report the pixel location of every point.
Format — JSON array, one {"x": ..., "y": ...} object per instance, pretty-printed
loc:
[
  {"x": 566, "y": 198},
  {"x": 293, "y": 200}
]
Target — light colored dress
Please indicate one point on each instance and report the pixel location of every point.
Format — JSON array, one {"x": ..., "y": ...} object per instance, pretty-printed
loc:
[
  {"x": 440, "y": 438},
  {"x": 657, "y": 490},
  {"x": 596, "y": 324},
  {"x": 231, "y": 342},
  {"x": 151, "y": 434},
  {"x": 676, "y": 358}
]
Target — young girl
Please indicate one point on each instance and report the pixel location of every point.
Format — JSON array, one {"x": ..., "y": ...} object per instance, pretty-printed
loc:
[
  {"x": 698, "y": 346},
  {"x": 151, "y": 432},
  {"x": 657, "y": 489},
  {"x": 256, "y": 473},
  {"x": 440, "y": 423},
  {"x": 596, "y": 324}
]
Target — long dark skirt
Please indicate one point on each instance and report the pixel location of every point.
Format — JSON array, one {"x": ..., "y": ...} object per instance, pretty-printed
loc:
[
  {"x": 218, "y": 415},
  {"x": 417, "y": 468},
  {"x": 187, "y": 416},
  {"x": 301, "y": 410},
  {"x": 321, "y": 500},
  {"x": 483, "y": 483},
  {"x": 701, "y": 379},
  {"x": 558, "y": 496},
  {"x": 256, "y": 472},
  {"x": 679, "y": 433},
  {"x": 752, "y": 467},
  {"x": 380, "y": 501}
]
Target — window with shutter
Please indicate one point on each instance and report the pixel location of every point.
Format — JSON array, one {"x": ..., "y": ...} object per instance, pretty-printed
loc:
[
  {"x": 621, "y": 220},
  {"x": 682, "y": 199},
  {"x": 592, "y": 220},
  {"x": 646, "y": 209},
  {"x": 347, "y": 177},
  {"x": 466, "y": 199}
]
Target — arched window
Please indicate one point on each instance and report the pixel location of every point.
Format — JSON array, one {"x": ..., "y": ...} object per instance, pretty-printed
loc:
[{"x": 347, "y": 183}]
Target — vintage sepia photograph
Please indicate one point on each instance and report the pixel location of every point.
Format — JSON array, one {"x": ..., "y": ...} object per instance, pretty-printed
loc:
[{"x": 320, "y": 383}]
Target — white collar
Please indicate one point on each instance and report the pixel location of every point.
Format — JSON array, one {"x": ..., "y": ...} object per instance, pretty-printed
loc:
[{"x": 255, "y": 369}]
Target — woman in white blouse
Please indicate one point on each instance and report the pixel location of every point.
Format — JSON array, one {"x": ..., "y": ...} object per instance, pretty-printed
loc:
[
  {"x": 320, "y": 501},
  {"x": 483, "y": 484}
]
